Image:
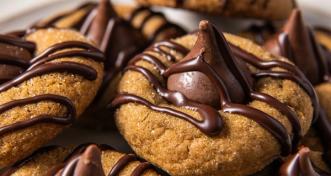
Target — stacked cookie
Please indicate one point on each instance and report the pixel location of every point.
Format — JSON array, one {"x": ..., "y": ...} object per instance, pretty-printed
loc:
[{"x": 201, "y": 103}]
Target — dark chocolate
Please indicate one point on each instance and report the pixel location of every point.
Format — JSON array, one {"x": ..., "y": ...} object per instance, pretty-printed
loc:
[
  {"x": 39, "y": 66},
  {"x": 297, "y": 42},
  {"x": 232, "y": 58}
]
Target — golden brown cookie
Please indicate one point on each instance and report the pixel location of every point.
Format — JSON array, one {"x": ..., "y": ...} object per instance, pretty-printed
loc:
[
  {"x": 50, "y": 92},
  {"x": 263, "y": 9},
  {"x": 86, "y": 159},
  {"x": 120, "y": 31},
  {"x": 210, "y": 130},
  {"x": 154, "y": 25}
]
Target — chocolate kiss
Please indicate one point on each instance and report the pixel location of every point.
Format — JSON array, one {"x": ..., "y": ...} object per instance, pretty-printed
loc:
[
  {"x": 297, "y": 43},
  {"x": 215, "y": 51},
  {"x": 114, "y": 36},
  {"x": 89, "y": 163},
  {"x": 104, "y": 13}
]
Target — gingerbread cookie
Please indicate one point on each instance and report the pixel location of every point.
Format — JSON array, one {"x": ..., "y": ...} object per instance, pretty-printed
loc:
[
  {"x": 189, "y": 107},
  {"x": 120, "y": 31},
  {"x": 84, "y": 160},
  {"x": 46, "y": 91},
  {"x": 262, "y": 9}
]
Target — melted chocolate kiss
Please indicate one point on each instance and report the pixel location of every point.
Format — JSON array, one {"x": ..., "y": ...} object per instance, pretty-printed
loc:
[
  {"x": 211, "y": 48},
  {"x": 297, "y": 42},
  {"x": 218, "y": 57},
  {"x": 299, "y": 164},
  {"x": 88, "y": 163}
]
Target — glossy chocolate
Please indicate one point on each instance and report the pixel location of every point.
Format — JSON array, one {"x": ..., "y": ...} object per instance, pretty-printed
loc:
[
  {"x": 74, "y": 164},
  {"x": 15, "y": 54},
  {"x": 297, "y": 42},
  {"x": 88, "y": 163},
  {"x": 299, "y": 164},
  {"x": 39, "y": 66},
  {"x": 232, "y": 58}
]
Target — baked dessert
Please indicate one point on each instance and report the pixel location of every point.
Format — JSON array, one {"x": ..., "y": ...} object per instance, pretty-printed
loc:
[
  {"x": 297, "y": 42},
  {"x": 46, "y": 75},
  {"x": 154, "y": 25},
  {"x": 120, "y": 31},
  {"x": 84, "y": 160},
  {"x": 262, "y": 9},
  {"x": 242, "y": 120}
]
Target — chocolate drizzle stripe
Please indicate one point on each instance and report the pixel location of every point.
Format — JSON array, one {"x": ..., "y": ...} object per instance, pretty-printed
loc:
[
  {"x": 122, "y": 163},
  {"x": 17, "y": 42},
  {"x": 151, "y": 59},
  {"x": 293, "y": 73},
  {"x": 13, "y": 60},
  {"x": 41, "y": 118},
  {"x": 265, "y": 120},
  {"x": 141, "y": 168},
  {"x": 211, "y": 122},
  {"x": 157, "y": 47},
  {"x": 96, "y": 54},
  {"x": 70, "y": 67},
  {"x": 285, "y": 110},
  {"x": 125, "y": 98},
  {"x": 88, "y": 54},
  {"x": 166, "y": 26},
  {"x": 149, "y": 17}
]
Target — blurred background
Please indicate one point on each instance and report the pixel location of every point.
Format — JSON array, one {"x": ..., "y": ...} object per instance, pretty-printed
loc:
[{"x": 18, "y": 14}]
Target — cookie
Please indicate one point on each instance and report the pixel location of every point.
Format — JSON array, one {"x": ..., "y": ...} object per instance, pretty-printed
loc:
[
  {"x": 120, "y": 31},
  {"x": 49, "y": 91},
  {"x": 262, "y": 9},
  {"x": 189, "y": 107},
  {"x": 154, "y": 25},
  {"x": 297, "y": 42},
  {"x": 86, "y": 159}
]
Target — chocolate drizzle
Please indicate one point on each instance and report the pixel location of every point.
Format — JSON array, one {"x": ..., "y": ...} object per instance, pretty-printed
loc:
[
  {"x": 14, "y": 56},
  {"x": 39, "y": 66},
  {"x": 74, "y": 165},
  {"x": 200, "y": 60},
  {"x": 297, "y": 42},
  {"x": 165, "y": 31}
]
